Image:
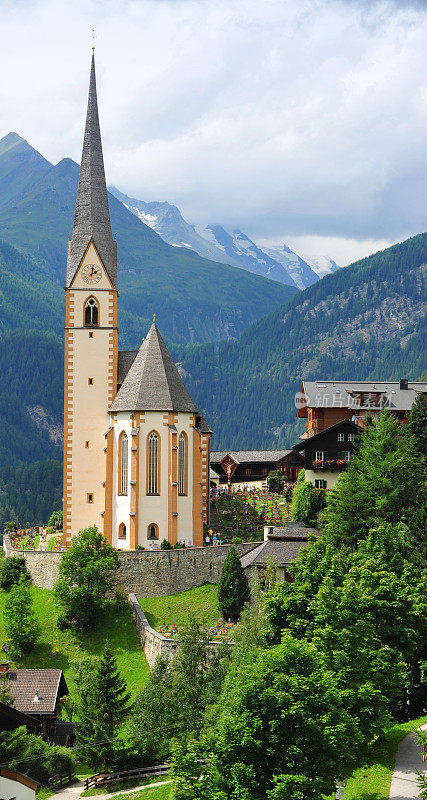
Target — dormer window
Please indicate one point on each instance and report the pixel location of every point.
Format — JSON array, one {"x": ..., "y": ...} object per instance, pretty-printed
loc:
[{"x": 91, "y": 316}]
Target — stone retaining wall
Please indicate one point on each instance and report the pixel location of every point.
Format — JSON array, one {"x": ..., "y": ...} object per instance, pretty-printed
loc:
[
  {"x": 154, "y": 643},
  {"x": 145, "y": 573}
]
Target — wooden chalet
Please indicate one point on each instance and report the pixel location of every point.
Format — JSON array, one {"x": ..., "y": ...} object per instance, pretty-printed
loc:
[
  {"x": 327, "y": 453},
  {"x": 251, "y": 467},
  {"x": 324, "y": 403},
  {"x": 37, "y": 694}
]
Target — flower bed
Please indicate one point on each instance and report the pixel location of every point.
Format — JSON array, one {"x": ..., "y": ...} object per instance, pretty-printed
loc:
[{"x": 218, "y": 631}]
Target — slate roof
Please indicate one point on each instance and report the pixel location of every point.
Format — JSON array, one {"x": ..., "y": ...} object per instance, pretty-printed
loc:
[
  {"x": 125, "y": 359},
  {"x": 249, "y": 456},
  {"x": 292, "y": 530},
  {"x": 49, "y": 684},
  {"x": 153, "y": 382},
  {"x": 340, "y": 394},
  {"x": 283, "y": 550},
  {"x": 92, "y": 215}
]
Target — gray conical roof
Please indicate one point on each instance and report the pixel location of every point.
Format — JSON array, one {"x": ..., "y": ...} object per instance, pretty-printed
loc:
[
  {"x": 153, "y": 382},
  {"x": 92, "y": 216}
]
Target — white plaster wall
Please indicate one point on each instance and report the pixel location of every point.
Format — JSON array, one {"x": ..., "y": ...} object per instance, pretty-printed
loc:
[
  {"x": 185, "y": 503},
  {"x": 9, "y": 789},
  {"x": 153, "y": 509},
  {"x": 121, "y": 503},
  {"x": 330, "y": 477}
]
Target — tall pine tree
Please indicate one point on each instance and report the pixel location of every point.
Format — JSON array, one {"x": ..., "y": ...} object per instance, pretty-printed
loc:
[
  {"x": 233, "y": 587},
  {"x": 102, "y": 709}
]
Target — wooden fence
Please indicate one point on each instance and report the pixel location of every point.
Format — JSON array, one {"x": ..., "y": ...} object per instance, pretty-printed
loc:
[
  {"x": 103, "y": 778},
  {"x": 63, "y": 779}
]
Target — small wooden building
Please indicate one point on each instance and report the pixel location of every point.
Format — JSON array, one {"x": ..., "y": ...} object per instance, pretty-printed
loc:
[
  {"x": 37, "y": 694},
  {"x": 328, "y": 453},
  {"x": 251, "y": 467},
  {"x": 281, "y": 547}
]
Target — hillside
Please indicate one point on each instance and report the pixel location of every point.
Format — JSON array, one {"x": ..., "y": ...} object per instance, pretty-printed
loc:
[
  {"x": 365, "y": 321},
  {"x": 195, "y": 299}
]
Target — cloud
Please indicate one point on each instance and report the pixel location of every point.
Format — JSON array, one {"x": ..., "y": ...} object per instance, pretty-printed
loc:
[{"x": 291, "y": 119}]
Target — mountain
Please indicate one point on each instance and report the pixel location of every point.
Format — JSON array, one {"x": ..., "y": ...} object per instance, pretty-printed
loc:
[
  {"x": 214, "y": 242},
  {"x": 322, "y": 265},
  {"x": 363, "y": 322},
  {"x": 301, "y": 273},
  {"x": 195, "y": 299}
]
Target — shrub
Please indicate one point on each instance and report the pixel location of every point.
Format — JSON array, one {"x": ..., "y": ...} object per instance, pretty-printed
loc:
[
  {"x": 165, "y": 545},
  {"x": 38, "y": 759},
  {"x": 275, "y": 481},
  {"x": 12, "y": 571}
]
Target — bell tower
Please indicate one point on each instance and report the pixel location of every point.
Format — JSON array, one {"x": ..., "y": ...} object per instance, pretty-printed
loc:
[{"x": 91, "y": 336}]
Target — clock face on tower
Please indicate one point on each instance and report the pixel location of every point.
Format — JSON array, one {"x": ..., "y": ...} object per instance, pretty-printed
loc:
[{"x": 91, "y": 274}]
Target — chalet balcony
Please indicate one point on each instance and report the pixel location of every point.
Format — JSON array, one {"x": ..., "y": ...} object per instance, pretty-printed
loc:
[{"x": 330, "y": 465}]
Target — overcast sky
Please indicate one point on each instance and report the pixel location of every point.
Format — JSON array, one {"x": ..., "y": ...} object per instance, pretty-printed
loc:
[{"x": 298, "y": 121}]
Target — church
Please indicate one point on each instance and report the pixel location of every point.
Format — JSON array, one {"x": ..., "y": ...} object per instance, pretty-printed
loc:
[{"x": 136, "y": 448}]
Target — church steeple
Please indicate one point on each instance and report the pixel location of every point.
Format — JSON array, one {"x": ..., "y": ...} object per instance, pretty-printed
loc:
[{"x": 92, "y": 216}]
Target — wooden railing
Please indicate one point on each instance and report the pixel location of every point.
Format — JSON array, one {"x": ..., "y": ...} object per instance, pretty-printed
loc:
[
  {"x": 103, "y": 778},
  {"x": 63, "y": 779}
]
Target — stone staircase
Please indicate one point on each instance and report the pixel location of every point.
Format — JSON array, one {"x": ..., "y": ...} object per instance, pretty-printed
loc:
[{"x": 215, "y": 524}]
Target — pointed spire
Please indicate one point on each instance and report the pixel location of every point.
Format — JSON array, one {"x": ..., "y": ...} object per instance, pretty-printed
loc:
[
  {"x": 153, "y": 382},
  {"x": 92, "y": 216}
]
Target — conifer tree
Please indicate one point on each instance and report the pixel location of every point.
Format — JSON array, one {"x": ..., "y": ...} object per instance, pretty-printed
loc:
[
  {"x": 418, "y": 424},
  {"x": 381, "y": 483},
  {"x": 20, "y": 623},
  {"x": 102, "y": 709},
  {"x": 233, "y": 587}
]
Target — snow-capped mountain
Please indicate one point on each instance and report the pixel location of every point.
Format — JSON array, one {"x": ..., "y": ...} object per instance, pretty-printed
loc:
[
  {"x": 228, "y": 247},
  {"x": 322, "y": 265},
  {"x": 299, "y": 270}
]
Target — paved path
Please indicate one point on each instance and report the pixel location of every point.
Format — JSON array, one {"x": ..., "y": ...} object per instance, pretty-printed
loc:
[
  {"x": 74, "y": 791},
  {"x": 408, "y": 759}
]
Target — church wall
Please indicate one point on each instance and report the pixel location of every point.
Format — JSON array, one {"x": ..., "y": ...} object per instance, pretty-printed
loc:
[
  {"x": 153, "y": 508},
  {"x": 185, "y": 502},
  {"x": 121, "y": 504}
]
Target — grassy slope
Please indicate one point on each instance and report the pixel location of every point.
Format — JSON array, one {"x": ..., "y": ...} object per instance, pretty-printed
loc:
[
  {"x": 68, "y": 647},
  {"x": 202, "y": 602},
  {"x": 151, "y": 793}
]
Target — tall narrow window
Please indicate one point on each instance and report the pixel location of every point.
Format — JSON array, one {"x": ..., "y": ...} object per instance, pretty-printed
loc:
[
  {"x": 123, "y": 463},
  {"x": 122, "y": 531},
  {"x": 153, "y": 463},
  {"x": 91, "y": 313},
  {"x": 153, "y": 531},
  {"x": 182, "y": 463}
]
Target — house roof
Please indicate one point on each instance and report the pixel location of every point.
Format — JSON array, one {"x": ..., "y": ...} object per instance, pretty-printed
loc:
[
  {"x": 292, "y": 530},
  {"x": 344, "y": 394},
  {"x": 153, "y": 382},
  {"x": 343, "y": 423},
  {"x": 13, "y": 775},
  {"x": 249, "y": 456},
  {"x": 284, "y": 551},
  {"x": 18, "y": 717},
  {"x": 47, "y": 684},
  {"x": 92, "y": 215}
]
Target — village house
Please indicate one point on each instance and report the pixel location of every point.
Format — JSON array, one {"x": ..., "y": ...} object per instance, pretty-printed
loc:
[
  {"x": 37, "y": 694},
  {"x": 328, "y": 453},
  {"x": 324, "y": 403},
  {"x": 278, "y": 550}
]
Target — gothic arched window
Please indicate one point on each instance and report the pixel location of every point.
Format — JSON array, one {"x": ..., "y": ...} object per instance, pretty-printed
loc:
[
  {"x": 91, "y": 313},
  {"x": 122, "y": 531},
  {"x": 123, "y": 463},
  {"x": 182, "y": 463},
  {"x": 153, "y": 531},
  {"x": 153, "y": 459}
]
